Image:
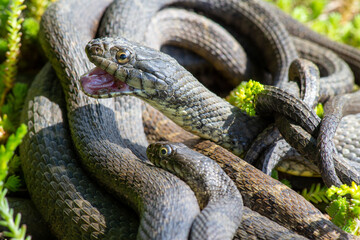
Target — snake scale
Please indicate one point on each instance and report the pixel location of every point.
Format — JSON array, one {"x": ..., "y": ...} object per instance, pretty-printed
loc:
[
  {"x": 69, "y": 197},
  {"x": 217, "y": 188},
  {"x": 218, "y": 197}
]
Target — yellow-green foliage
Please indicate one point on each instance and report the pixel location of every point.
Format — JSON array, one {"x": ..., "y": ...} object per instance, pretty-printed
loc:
[
  {"x": 337, "y": 25},
  {"x": 319, "y": 109},
  {"x": 7, "y": 151},
  {"x": 12, "y": 55},
  {"x": 243, "y": 96},
  {"x": 315, "y": 194},
  {"x": 6, "y": 154},
  {"x": 9, "y": 118},
  {"x": 37, "y": 8},
  {"x": 344, "y": 208}
]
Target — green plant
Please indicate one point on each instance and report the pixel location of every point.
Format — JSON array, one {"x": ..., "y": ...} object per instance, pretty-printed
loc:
[
  {"x": 13, "y": 106},
  {"x": 12, "y": 55},
  {"x": 344, "y": 208},
  {"x": 316, "y": 193},
  {"x": 319, "y": 109},
  {"x": 6, "y": 154},
  {"x": 340, "y": 25},
  {"x": 243, "y": 96},
  {"x": 275, "y": 175},
  {"x": 10, "y": 116},
  {"x": 37, "y": 8}
]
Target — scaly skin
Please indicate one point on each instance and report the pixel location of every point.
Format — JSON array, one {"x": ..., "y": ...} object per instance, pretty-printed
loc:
[
  {"x": 350, "y": 54},
  {"x": 60, "y": 57},
  {"x": 218, "y": 197},
  {"x": 69, "y": 202},
  {"x": 346, "y": 139},
  {"x": 336, "y": 76},
  {"x": 199, "y": 34},
  {"x": 335, "y": 109},
  {"x": 273, "y": 99},
  {"x": 162, "y": 201},
  {"x": 261, "y": 193},
  {"x": 256, "y": 226},
  {"x": 246, "y": 17},
  {"x": 159, "y": 80},
  {"x": 151, "y": 75},
  {"x": 256, "y": 188},
  {"x": 217, "y": 193},
  {"x": 306, "y": 144}
]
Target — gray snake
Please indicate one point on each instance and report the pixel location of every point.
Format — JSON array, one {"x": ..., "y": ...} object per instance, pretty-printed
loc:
[
  {"x": 218, "y": 197},
  {"x": 145, "y": 205},
  {"x": 213, "y": 188},
  {"x": 76, "y": 108}
]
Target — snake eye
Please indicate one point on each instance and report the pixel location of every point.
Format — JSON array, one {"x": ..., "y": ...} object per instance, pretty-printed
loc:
[
  {"x": 165, "y": 151},
  {"x": 123, "y": 56}
]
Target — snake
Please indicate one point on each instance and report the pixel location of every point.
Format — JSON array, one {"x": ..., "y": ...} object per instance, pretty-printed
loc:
[
  {"x": 333, "y": 71},
  {"x": 338, "y": 77},
  {"x": 337, "y": 69},
  {"x": 217, "y": 189},
  {"x": 198, "y": 34},
  {"x": 56, "y": 19},
  {"x": 335, "y": 109},
  {"x": 169, "y": 92},
  {"x": 350, "y": 54},
  {"x": 218, "y": 197},
  {"x": 134, "y": 66},
  {"x": 59, "y": 43}
]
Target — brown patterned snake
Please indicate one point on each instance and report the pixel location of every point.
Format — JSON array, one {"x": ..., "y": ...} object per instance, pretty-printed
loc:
[{"x": 101, "y": 142}]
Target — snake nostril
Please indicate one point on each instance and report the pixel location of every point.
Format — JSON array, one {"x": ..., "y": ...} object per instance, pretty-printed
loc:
[{"x": 94, "y": 49}]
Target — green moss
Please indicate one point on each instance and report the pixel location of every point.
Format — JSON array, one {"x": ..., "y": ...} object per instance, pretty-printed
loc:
[
  {"x": 330, "y": 24},
  {"x": 14, "y": 104},
  {"x": 319, "y": 109},
  {"x": 13, "y": 27},
  {"x": 243, "y": 96},
  {"x": 31, "y": 28},
  {"x": 3, "y": 46},
  {"x": 344, "y": 208}
]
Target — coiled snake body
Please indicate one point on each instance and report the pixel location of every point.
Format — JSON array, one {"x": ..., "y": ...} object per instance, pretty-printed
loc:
[{"x": 112, "y": 152}]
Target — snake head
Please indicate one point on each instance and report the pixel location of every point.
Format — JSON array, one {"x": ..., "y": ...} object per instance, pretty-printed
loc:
[
  {"x": 165, "y": 155},
  {"x": 125, "y": 67},
  {"x": 160, "y": 154}
]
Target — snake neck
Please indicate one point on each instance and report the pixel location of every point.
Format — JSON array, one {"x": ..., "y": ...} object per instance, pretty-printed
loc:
[{"x": 196, "y": 109}]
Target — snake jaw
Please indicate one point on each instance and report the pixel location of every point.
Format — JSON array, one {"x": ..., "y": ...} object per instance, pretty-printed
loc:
[{"x": 98, "y": 83}]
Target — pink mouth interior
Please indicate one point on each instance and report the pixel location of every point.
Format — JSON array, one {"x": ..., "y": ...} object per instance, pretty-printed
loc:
[{"x": 97, "y": 82}]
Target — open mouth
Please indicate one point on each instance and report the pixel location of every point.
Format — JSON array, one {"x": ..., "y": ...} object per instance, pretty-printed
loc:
[{"x": 98, "y": 83}]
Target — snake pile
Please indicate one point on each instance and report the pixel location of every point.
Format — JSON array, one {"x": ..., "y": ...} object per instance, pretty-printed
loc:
[{"x": 87, "y": 162}]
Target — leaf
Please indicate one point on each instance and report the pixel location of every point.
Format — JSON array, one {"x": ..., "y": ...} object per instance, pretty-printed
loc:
[
  {"x": 14, "y": 103},
  {"x": 316, "y": 194},
  {"x": 337, "y": 210},
  {"x": 14, "y": 164},
  {"x": 13, "y": 183},
  {"x": 317, "y": 7},
  {"x": 301, "y": 14},
  {"x": 285, "y": 5}
]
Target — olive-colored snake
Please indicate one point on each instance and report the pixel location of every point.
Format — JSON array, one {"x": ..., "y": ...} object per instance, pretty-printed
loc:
[{"x": 65, "y": 42}]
